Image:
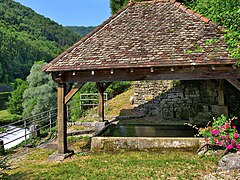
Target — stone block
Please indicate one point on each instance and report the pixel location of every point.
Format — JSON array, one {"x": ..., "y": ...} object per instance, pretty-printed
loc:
[
  {"x": 140, "y": 143},
  {"x": 219, "y": 110},
  {"x": 229, "y": 162},
  {"x": 99, "y": 126},
  {"x": 34, "y": 130},
  {"x": 180, "y": 95},
  {"x": 182, "y": 113},
  {"x": 168, "y": 113}
]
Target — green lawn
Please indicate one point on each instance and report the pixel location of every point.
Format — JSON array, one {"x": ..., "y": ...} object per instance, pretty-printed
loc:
[
  {"x": 6, "y": 117},
  {"x": 167, "y": 164}
]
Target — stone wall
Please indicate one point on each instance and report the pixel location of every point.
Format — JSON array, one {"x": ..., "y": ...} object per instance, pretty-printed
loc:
[{"x": 190, "y": 101}]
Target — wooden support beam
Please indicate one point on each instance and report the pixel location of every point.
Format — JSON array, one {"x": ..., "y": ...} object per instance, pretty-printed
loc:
[
  {"x": 144, "y": 73},
  {"x": 68, "y": 87},
  {"x": 73, "y": 91},
  {"x": 220, "y": 90},
  {"x": 235, "y": 83},
  {"x": 62, "y": 119},
  {"x": 101, "y": 88}
]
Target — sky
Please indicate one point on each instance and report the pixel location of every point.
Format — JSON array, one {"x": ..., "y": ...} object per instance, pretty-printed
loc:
[{"x": 71, "y": 12}]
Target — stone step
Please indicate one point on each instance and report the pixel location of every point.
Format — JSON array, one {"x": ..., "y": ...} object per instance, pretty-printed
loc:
[{"x": 80, "y": 132}]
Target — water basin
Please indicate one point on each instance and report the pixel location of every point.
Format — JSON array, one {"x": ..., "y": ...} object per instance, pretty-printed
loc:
[
  {"x": 145, "y": 137},
  {"x": 148, "y": 131}
]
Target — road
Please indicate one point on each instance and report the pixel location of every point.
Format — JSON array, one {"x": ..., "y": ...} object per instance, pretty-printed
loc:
[{"x": 15, "y": 134}]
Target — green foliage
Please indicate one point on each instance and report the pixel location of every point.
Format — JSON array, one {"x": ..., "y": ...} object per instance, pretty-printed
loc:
[
  {"x": 6, "y": 117},
  {"x": 26, "y": 37},
  {"x": 114, "y": 89},
  {"x": 81, "y": 30},
  {"x": 116, "y": 5},
  {"x": 233, "y": 40},
  {"x": 16, "y": 98},
  {"x": 3, "y": 99},
  {"x": 41, "y": 92},
  {"x": 3, "y": 165},
  {"x": 117, "y": 88},
  {"x": 2, "y": 130},
  {"x": 223, "y": 12}
]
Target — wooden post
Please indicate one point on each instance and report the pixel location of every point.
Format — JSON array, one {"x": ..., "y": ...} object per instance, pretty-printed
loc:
[
  {"x": 221, "y": 93},
  {"x": 62, "y": 119},
  {"x": 101, "y": 106},
  {"x": 101, "y": 88}
]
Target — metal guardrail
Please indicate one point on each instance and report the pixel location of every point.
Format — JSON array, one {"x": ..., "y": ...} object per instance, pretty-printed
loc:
[
  {"x": 22, "y": 129},
  {"x": 32, "y": 125},
  {"x": 91, "y": 99}
]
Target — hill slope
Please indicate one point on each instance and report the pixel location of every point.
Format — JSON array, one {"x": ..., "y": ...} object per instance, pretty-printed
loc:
[
  {"x": 25, "y": 37},
  {"x": 81, "y": 30}
]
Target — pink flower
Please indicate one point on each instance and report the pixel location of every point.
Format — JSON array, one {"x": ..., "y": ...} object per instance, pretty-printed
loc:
[
  {"x": 238, "y": 147},
  {"x": 227, "y": 125},
  {"x": 234, "y": 127},
  {"x": 215, "y": 132},
  {"x": 223, "y": 137},
  {"x": 220, "y": 143},
  {"x": 233, "y": 141},
  {"x": 236, "y": 135},
  {"x": 229, "y": 146}
]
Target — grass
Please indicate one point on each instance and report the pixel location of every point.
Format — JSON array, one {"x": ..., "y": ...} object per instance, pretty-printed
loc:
[
  {"x": 75, "y": 128},
  {"x": 6, "y": 117},
  {"x": 166, "y": 164},
  {"x": 120, "y": 103},
  {"x": 118, "y": 106}
]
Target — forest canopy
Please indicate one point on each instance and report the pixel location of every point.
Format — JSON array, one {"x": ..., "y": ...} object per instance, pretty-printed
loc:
[{"x": 25, "y": 37}]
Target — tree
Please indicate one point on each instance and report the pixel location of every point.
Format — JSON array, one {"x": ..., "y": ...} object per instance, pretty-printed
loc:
[
  {"x": 25, "y": 37},
  {"x": 116, "y": 5},
  {"x": 16, "y": 98},
  {"x": 41, "y": 92}
]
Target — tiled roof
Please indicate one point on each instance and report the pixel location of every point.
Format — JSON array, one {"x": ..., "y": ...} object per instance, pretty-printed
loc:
[{"x": 147, "y": 34}]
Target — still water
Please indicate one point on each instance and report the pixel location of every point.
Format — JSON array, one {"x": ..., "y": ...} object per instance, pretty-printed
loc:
[{"x": 149, "y": 131}]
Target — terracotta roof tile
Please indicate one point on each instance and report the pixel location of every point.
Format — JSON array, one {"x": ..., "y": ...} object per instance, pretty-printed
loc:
[{"x": 151, "y": 33}]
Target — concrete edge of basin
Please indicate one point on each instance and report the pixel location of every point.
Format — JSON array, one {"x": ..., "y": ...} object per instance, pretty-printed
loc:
[{"x": 99, "y": 144}]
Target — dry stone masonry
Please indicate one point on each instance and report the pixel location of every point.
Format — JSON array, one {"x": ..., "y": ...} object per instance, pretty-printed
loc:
[{"x": 190, "y": 101}]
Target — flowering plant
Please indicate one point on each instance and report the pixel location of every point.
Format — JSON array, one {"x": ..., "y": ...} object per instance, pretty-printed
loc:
[{"x": 221, "y": 133}]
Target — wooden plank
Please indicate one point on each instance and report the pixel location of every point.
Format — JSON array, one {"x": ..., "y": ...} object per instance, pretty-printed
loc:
[
  {"x": 72, "y": 92},
  {"x": 235, "y": 83},
  {"x": 179, "y": 73},
  {"x": 62, "y": 119}
]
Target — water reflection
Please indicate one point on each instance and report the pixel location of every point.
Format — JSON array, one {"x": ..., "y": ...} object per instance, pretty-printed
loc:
[{"x": 149, "y": 131}]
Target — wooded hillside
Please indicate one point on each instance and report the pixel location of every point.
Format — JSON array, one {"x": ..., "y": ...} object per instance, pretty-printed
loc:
[
  {"x": 25, "y": 37},
  {"x": 81, "y": 30}
]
